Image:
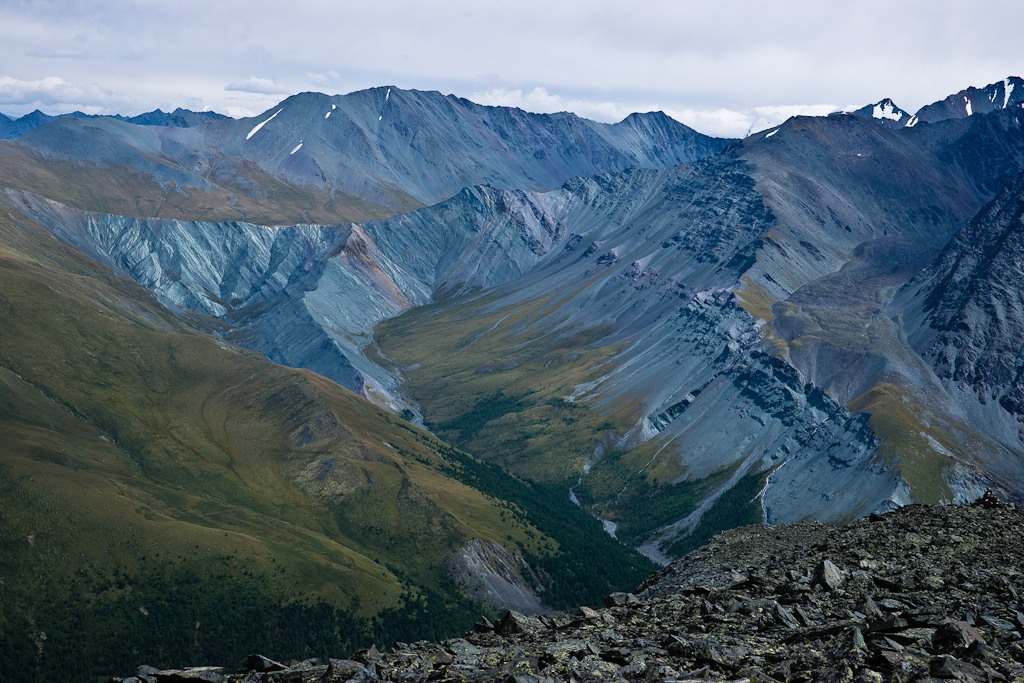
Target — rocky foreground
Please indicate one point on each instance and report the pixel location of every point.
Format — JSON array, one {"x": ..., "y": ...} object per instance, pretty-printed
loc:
[{"x": 923, "y": 593}]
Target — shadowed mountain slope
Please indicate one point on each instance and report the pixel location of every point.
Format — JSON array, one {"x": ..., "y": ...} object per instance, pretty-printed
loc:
[
  {"x": 664, "y": 297},
  {"x": 964, "y": 315},
  {"x": 1005, "y": 94}
]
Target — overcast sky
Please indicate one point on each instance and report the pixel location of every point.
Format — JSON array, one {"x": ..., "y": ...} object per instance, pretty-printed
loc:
[{"x": 722, "y": 66}]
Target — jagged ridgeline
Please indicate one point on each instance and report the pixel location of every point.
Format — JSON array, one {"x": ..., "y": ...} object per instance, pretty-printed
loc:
[
  {"x": 168, "y": 495},
  {"x": 325, "y": 159}
]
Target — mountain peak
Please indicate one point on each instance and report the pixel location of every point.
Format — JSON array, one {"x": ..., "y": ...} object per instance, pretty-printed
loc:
[
  {"x": 884, "y": 110},
  {"x": 887, "y": 109}
]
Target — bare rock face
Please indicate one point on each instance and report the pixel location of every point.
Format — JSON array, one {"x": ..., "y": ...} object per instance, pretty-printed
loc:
[
  {"x": 497, "y": 577},
  {"x": 919, "y": 594}
]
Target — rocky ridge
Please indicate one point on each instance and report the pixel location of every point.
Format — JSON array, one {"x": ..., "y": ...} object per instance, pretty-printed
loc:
[
  {"x": 923, "y": 593},
  {"x": 1003, "y": 94},
  {"x": 884, "y": 111}
]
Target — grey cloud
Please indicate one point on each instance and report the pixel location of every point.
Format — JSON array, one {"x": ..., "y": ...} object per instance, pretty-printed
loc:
[{"x": 259, "y": 86}]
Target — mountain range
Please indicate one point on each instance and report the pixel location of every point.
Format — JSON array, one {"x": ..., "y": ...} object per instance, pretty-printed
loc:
[{"x": 399, "y": 346}]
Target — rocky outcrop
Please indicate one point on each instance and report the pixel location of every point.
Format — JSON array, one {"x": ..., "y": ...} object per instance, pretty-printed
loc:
[
  {"x": 885, "y": 112},
  {"x": 920, "y": 594}
]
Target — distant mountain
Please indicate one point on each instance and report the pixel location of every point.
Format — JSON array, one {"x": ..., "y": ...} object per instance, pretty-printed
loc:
[
  {"x": 179, "y": 118},
  {"x": 706, "y": 323},
  {"x": 375, "y": 142},
  {"x": 327, "y": 159},
  {"x": 728, "y": 320},
  {"x": 12, "y": 128},
  {"x": 885, "y": 111},
  {"x": 1005, "y": 94}
]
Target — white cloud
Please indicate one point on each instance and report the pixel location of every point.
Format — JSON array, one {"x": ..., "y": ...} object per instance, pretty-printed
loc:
[
  {"x": 720, "y": 122},
  {"x": 540, "y": 101},
  {"x": 56, "y": 53},
  {"x": 324, "y": 79},
  {"x": 259, "y": 86},
  {"x": 239, "y": 112},
  {"x": 56, "y": 95}
]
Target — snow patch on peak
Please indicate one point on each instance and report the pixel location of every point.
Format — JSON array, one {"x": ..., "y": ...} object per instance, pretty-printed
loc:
[
  {"x": 256, "y": 128},
  {"x": 296, "y": 149},
  {"x": 967, "y": 105},
  {"x": 887, "y": 110},
  {"x": 387, "y": 95},
  {"x": 1007, "y": 91},
  {"x": 773, "y": 132},
  {"x": 327, "y": 115},
  {"x": 912, "y": 122}
]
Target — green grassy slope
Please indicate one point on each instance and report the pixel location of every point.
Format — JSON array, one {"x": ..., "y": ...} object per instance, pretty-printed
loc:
[
  {"x": 162, "y": 493},
  {"x": 488, "y": 383},
  {"x": 239, "y": 191}
]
